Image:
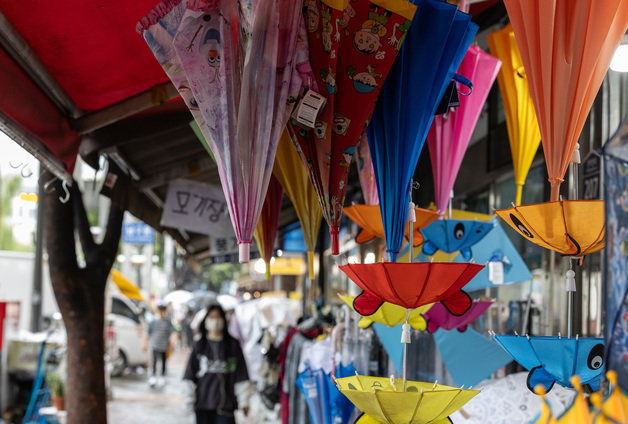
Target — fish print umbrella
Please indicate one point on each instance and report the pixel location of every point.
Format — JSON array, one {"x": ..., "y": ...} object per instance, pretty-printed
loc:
[
  {"x": 566, "y": 48},
  {"x": 351, "y": 53},
  {"x": 452, "y": 235},
  {"x": 369, "y": 218},
  {"x": 451, "y": 132},
  {"x": 391, "y": 315},
  {"x": 570, "y": 227},
  {"x": 523, "y": 128},
  {"x": 240, "y": 59},
  {"x": 438, "y": 316},
  {"x": 556, "y": 359},
  {"x": 433, "y": 47},
  {"x": 266, "y": 229},
  {"x": 296, "y": 184},
  {"x": 385, "y": 401}
]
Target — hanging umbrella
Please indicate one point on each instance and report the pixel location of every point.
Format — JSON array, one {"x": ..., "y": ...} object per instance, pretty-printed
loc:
[
  {"x": 523, "y": 129},
  {"x": 451, "y": 132},
  {"x": 391, "y": 315},
  {"x": 369, "y": 218},
  {"x": 240, "y": 62},
  {"x": 294, "y": 179},
  {"x": 577, "y": 413},
  {"x": 366, "y": 172},
  {"x": 570, "y": 227},
  {"x": 411, "y": 285},
  {"x": 556, "y": 359},
  {"x": 433, "y": 48},
  {"x": 452, "y": 235},
  {"x": 384, "y": 399},
  {"x": 158, "y": 29},
  {"x": 615, "y": 407},
  {"x": 352, "y": 47},
  {"x": 266, "y": 229},
  {"x": 566, "y": 47},
  {"x": 438, "y": 316}
]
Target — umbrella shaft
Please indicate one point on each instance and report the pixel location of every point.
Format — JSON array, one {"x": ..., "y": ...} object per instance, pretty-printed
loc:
[
  {"x": 570, "y": 314},
  {"x": 404, "y": 369}
]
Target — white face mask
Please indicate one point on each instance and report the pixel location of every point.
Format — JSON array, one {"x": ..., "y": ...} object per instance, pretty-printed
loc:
[{"x": 214, "y": 325}]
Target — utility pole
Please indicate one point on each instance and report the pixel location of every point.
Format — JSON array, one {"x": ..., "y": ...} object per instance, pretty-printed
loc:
[{"x": 36, "y": 298}]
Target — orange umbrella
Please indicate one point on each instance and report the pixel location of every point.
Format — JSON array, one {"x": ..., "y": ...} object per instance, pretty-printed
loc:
[
  {"x": 295, "y": 181},
  {"x": 566, "y": 47},
  {"x": 523, "y": 129},
  {"x": 369, "y": 218}
]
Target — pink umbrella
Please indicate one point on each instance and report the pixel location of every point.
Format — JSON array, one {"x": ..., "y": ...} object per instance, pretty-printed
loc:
[
  {"x": 440, "y": 317},
  {"x": 450, "y": 133},
  {"x": 366, "y": 172},
  {"x": 240, "y": 60}
]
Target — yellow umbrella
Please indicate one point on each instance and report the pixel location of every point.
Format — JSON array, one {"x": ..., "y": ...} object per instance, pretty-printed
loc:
[
  {"x": 127, "y": 288},
  {"x": 615, "y": 408},
  {"x": 385, "y": 401},
  {"x": 523, "y": 127},
  {"x": 546, "y": 413},
  {"x": 391, "y": 315},
  {"x": 296, "y": 184},
  {"x": 570, "y": 227},
  {"x": 579, "y": 412}
]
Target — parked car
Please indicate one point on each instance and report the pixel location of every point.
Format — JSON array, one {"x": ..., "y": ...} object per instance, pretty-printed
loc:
[{"x": 126, "y": 330}]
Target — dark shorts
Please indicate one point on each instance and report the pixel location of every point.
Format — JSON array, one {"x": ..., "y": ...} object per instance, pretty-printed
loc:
[{"x": 212, "y": 417}]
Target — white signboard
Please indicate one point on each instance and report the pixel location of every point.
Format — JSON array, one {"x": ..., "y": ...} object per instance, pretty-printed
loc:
[{"x": 197, "y": 207}]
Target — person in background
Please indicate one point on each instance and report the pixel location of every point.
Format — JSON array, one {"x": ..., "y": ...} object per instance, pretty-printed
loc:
[
  {"x": 162, "y": 338},
  {"x": 216, "y": 375}
]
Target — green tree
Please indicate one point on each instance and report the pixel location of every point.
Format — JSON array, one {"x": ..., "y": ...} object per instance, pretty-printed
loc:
[{"x": 9, "y": 188}]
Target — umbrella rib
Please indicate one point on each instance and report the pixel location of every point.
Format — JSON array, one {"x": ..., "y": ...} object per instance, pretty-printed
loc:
[
  {"x": 416, "y": 408},
  {"x": 427, "y": 278},
  {"x": 573, "y": 240},
  {"x": 388, "y": 280},
  {"x": 450, "y": 402},
  {"x": 379, "y": 404},
  {"x": 525, "y": 221}
]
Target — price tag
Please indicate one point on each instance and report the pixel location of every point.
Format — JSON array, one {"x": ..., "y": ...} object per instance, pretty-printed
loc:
[
  {"x": 308, "y": 108},
  {"x": 496, "y": 272}
]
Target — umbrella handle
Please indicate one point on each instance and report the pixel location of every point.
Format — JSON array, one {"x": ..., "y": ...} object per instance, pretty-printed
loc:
[{"x": 464, "y": 81}]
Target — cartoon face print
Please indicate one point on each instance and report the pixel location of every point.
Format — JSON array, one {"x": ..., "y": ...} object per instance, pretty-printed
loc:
[
  {"x": 341, "y": 124},
  {"x": 188, "y": 97},
  {"x": 366, "y": 41},
  {"x": 364, "y": 82},
  {"x": 326, "y": 38},
  {"x": 210, "y": 49},
  {"x": 595, "y": 359},
  {"x": 347, "y": 14},
  {"x": 520, "y": 226},
  {"x": 347, "y": 155},
  {"x": 312, "y": 16},
  {"x": 320, "y": 129},
  {"x": 330, "y": 80}
]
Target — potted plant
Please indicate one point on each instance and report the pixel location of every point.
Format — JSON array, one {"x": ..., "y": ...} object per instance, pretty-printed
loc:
[{"x": 56, "y": 385}]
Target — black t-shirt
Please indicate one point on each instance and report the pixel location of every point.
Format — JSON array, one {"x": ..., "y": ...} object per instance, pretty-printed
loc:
[{"x": 215, "y": 367}]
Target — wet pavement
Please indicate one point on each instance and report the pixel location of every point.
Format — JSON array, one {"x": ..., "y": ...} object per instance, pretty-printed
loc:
[{"x": 134, "y": 402}]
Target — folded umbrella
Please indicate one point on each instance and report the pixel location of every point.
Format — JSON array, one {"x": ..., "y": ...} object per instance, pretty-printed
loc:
[
  {"x": 366, "y": 172},
  {"x": 266, "y": 229}
]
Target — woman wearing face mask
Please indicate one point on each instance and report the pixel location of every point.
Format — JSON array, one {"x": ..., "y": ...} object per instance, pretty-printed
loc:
[{"x": 218, "y": 372}]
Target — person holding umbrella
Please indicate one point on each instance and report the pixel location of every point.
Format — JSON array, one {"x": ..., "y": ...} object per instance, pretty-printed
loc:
[{"x": 216, "y": 373}]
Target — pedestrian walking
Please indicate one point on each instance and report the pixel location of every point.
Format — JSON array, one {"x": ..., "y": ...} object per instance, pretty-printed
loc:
[{"x": 162, "y": 338}]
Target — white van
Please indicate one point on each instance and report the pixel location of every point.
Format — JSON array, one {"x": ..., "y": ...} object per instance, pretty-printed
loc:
[{"x": 126, "y": 330}]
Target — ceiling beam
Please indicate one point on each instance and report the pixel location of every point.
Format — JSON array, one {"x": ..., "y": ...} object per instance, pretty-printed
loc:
[
  {"x": 186, "y": 168},
  {"x": 26, "y": 58},
  {"x": 155, "y": 96}
]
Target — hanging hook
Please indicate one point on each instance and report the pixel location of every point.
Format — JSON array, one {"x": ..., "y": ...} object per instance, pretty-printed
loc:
[
  {"x": 15, "y": 166},
  {"x": 67, "y": 193},
  {"x": 29, "y": 169},
  {"x": 47, "y": 186}
]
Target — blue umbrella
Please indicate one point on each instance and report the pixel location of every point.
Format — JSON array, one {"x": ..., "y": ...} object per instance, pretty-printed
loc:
[{"x": 434, "y": 46}]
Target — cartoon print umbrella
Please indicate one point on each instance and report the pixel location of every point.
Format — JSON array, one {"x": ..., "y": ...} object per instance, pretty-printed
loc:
[
  {"x": 523, "y": 128},
  {"x": 369, "y": 218},
  {"x": 438, "y": 316},
  {"x": 566, "y": 48},
  {"x": 411, "y": 285},
  {"x": 351, "y": 56},
  {"x": 366, "y": 172},
  {"x": 158, "y": 28},
  {"x": 451, "y": 132},
  {"x": 391, "y": 315},
  {"x": 555, "y": 359},
  {"x": 405, "y": 107},
  {"x": 240, "y": 62},
  {"x": 421, "y": 403},
  {"x": 266, "y": 229},
  {"x": 570, "y": 227},
  {"x": 296, "y": 184},
  {"x": 452, "y": 235}
]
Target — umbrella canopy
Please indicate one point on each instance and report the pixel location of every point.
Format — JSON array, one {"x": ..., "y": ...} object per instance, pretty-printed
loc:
[
  {"x": 391, "y": 315},
  {"x": 566, "y": 48},
  {"x": 266, "y": 229},
  {"x": 433, "y": 48},
  {"x": 556, "y": 359},
  {"x": 295, "y": 182},
  {"x": 411, "y": 285},
  {"x": 369, "y": 218},
  {"x": 577, "y": 413},
  {"x": 366, "y": 172},
  {"x": 450, "y": 133},
  {"x": 452, "y": 235},
  {"x": 351, "y": 53},
  {"x": 240, "y": 63},
  {"x": 570, "y": 227},
  {"x": 523, "y": 128},
  {"x": 125, "y": 285},
  {"x": 438, "y": 316},
  {"x": 384, "y": 400},
  {"x": 615, "y": 407}
]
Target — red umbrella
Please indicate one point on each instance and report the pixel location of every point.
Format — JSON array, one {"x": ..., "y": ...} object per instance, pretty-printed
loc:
[
  {"x": 412, "y": 284},
  {"x": 352, "y": 47},
  {"x": 266, "y": 229}
]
